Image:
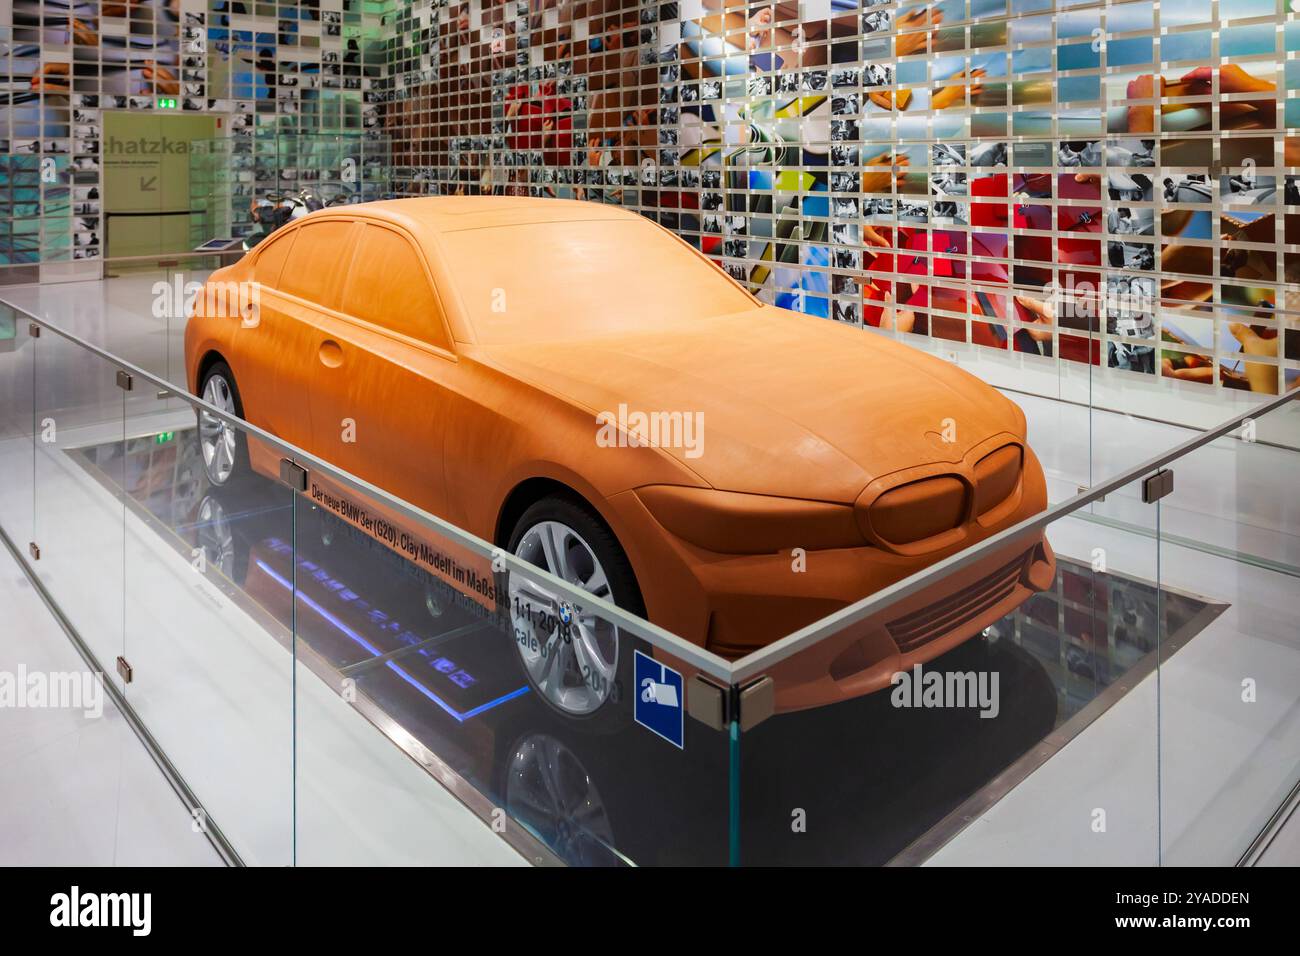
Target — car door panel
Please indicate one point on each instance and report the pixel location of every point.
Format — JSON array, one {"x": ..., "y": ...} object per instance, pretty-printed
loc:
[
  {"x": 379, "y": 402},
  {"x": 271, "y": 346}
]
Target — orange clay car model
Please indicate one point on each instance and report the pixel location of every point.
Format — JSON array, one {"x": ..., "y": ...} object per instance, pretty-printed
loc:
[{"x": 576, "y": 384}]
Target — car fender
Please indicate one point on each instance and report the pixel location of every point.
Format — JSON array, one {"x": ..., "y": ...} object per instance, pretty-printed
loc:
[{"x": 513, "y": 432}]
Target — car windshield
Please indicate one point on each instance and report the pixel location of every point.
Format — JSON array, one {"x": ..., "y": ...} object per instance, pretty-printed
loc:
[{"x": 558, "y": 280}]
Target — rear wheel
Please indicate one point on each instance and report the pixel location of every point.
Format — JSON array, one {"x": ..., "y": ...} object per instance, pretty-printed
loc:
[
  {"x": 577, "y": 661},
  {"x": 224, "y": 447}
]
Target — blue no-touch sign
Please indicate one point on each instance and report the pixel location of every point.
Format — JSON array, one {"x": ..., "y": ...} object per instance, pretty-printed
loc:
[{"x": 660, "y": 700}]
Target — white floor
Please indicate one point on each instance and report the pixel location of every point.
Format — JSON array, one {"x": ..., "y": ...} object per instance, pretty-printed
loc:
[
  {"x": 1217, "y": 769},
  {"x": 77, "y": 790}
]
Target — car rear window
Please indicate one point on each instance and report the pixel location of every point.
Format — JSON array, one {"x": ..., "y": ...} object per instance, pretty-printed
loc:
[
  {"x": 387, "y": 285},
  {"x": 270, "y": 259},
  {"x": 317, "y": 260}
]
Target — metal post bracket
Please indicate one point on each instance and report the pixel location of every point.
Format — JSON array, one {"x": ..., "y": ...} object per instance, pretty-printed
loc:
[
  {"x": 716, "y": 706},
  {"x": 707, "y": 702},
  {"x": 756, "y": 702},
  {"x": 293, "y": 474},
  {"x": 1157, "y": 486}
]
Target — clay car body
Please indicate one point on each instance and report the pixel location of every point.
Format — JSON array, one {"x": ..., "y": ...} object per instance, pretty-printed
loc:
[{"x": 479, "y": 355}]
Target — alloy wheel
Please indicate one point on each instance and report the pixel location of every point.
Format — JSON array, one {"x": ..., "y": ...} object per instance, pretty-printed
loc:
[
  {"x": 571, "y": 656},
  {"x": 216, "y": 437}
]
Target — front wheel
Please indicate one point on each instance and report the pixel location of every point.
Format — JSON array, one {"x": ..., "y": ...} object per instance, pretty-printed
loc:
[{"x": 576, "y": 661}]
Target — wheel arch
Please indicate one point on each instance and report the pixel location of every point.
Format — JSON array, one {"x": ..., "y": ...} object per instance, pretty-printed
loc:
[
  {"x": 210, "y": 358},
  {"x": 527, "y": 493}
]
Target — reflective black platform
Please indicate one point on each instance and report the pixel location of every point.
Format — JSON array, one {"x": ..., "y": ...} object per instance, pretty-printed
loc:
[{"x": 442, "y": 666}]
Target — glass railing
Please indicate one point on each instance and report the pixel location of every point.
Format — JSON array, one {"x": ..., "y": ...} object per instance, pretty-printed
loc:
[
  {"x": 341, "y": 677},
  {"x": 1113, "y": 681},
  {"x": 1230, "y": 698},
  {"x": 138, "y": 314}
]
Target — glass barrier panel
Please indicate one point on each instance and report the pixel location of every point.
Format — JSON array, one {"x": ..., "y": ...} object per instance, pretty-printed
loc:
[
  {"x": 138, "y": 314},
  {"x": 17, "y": 365},
  {"x": 80, "y": 407},
  {"x": 210, "y": 643},
  {"x": 430, "y": 670},
  {"x": 1051, "y": 695},
  {"x": 1001, "y": 711},
  {"x": 1230, "y": 691}
]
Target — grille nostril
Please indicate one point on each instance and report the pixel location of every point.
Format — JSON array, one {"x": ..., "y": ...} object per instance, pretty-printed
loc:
[
  {"x": 919, "y": 509},
  {"x": 996, "y": 477}
]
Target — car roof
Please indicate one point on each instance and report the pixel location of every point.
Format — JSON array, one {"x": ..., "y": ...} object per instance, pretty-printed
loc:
[
  {"x": 443, "y": 214},
  {"x": 428, "y": 217}
]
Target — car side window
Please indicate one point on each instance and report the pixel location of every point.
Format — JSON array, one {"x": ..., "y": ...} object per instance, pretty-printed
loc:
[
  {"x": 320, "y": 252},
  {"x": 387, "y": 285},
  {"x": 270, "y": 260}
]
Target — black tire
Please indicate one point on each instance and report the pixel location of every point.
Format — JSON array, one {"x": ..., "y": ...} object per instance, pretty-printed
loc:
[
  {"x": 616, "y": 709},
  {"x": 241, "y": 472}
]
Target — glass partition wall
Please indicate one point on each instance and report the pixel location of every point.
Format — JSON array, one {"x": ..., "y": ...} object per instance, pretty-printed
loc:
[
  {"x": 235, "y": 180},
  {"x": 339, "y": 677}
]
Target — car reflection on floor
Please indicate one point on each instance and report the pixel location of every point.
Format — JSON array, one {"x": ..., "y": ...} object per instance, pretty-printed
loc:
[{"x": 871, "y": 777}]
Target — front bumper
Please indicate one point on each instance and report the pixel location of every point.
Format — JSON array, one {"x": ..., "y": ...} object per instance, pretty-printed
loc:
[
  {"x": 862, "y": 658},
  {"x": 736, "y": 604}
]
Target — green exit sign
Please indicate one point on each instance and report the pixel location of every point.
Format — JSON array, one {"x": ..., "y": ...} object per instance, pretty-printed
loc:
[
  {"x": 163, "y": 438},
  {"x": 167, "y": 102}
]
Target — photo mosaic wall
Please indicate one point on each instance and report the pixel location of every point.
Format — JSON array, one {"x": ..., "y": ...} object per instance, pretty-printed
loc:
[
  {"x": 277, "y": 71},
  {"x": 1104, "y": 183}
]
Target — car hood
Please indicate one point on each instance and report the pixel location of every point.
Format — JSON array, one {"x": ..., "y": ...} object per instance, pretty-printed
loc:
[{"x": 787, "y": 404}]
